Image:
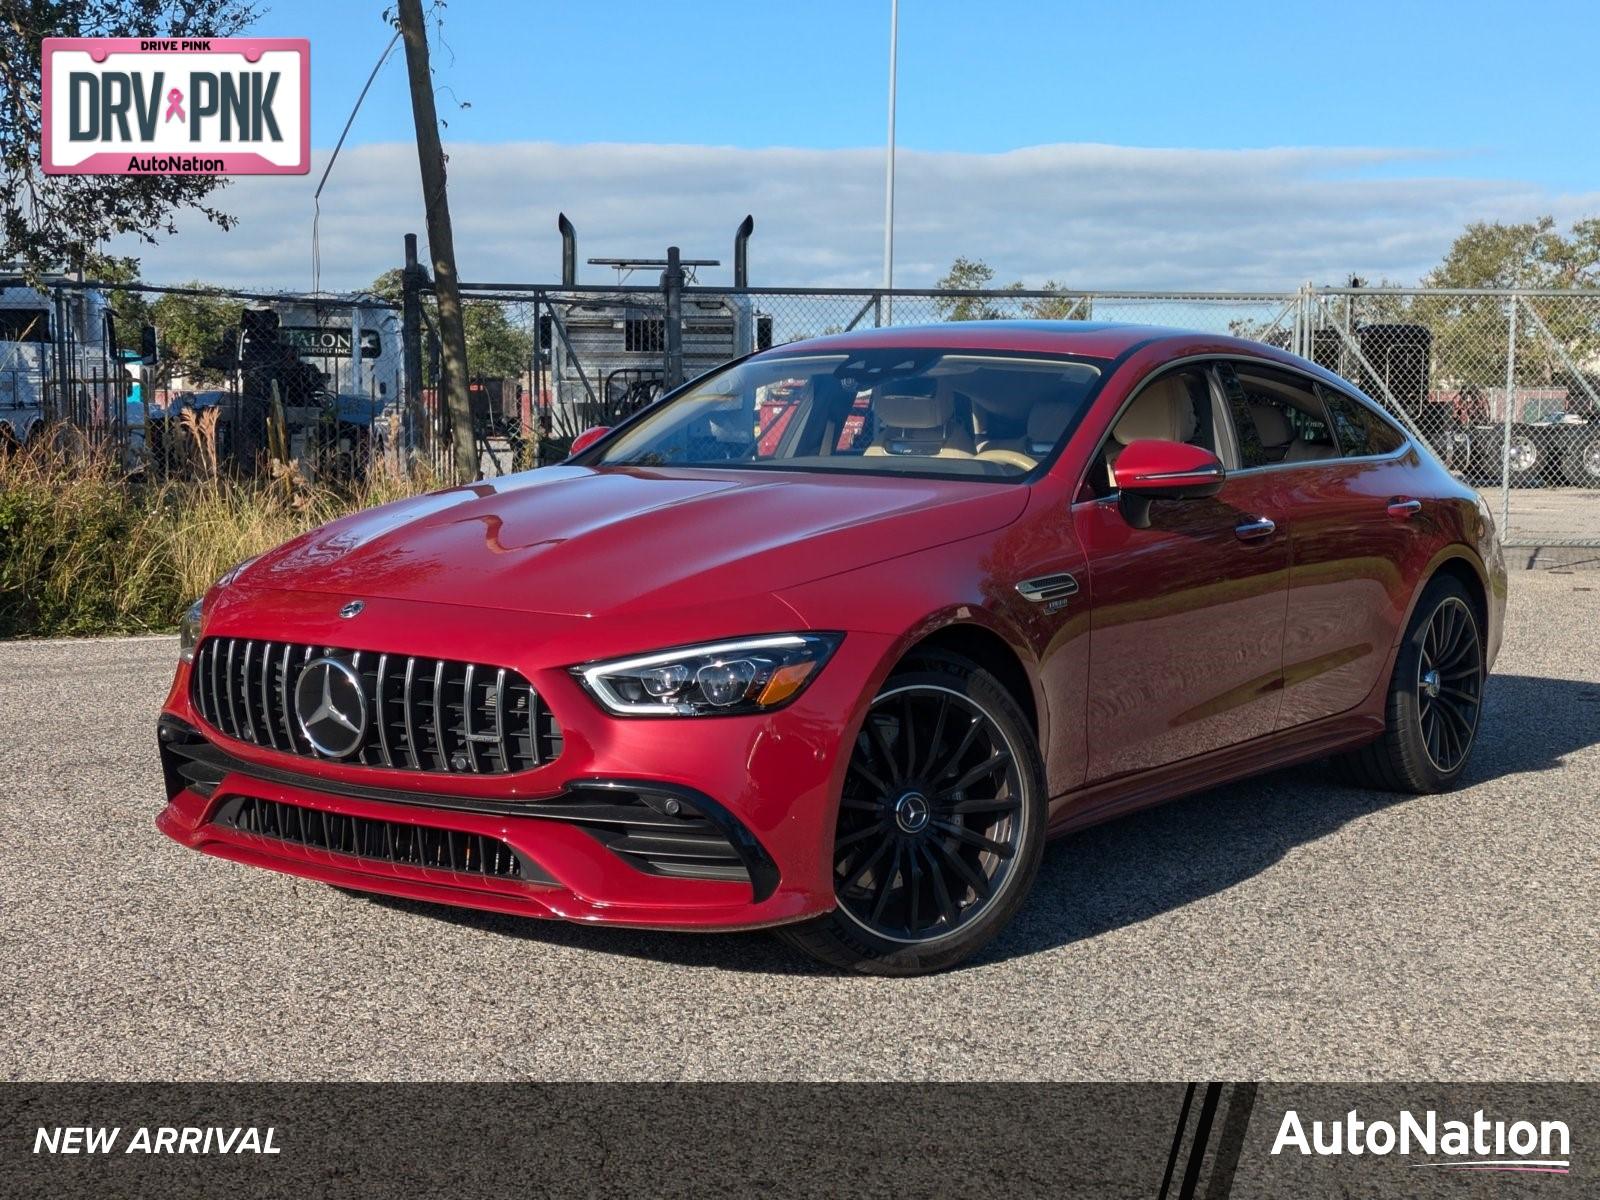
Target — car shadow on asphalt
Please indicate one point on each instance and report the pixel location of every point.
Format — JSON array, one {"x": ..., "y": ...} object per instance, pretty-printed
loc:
[{"x": 1148, "y": 863}]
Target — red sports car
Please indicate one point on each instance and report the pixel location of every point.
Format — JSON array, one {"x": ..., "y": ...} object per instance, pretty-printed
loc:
[{"x": 835, "y": 637}]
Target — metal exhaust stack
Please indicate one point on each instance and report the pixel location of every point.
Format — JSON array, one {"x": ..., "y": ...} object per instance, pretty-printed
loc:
[
  {"x": 741, "y": 242},
  {"x": 569, "y": 250}
]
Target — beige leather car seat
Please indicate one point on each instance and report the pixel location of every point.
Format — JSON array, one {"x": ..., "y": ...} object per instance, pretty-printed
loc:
[
  {"x": 1275, "y": 432},
  {"x": 1163, "y": 410},
  {"x": 911, "y": 420}
]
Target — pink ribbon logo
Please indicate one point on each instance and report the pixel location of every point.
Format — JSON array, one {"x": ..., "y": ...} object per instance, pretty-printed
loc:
[{"x": 175, "y": 105}]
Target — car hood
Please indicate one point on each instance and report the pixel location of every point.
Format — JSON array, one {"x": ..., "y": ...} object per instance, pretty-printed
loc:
[{"x": 576, "y": 541}]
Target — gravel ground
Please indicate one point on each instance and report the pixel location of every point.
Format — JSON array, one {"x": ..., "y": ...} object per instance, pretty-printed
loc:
[{"x": 1280, "y": 929}]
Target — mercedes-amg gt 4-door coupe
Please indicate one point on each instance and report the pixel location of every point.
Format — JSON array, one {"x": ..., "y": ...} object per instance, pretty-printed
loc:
[{"x": 833, "y": 639}]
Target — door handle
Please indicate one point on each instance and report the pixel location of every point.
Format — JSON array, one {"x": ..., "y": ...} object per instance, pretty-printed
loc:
[
  {"x": 1402, "y": 508},
  {"x": 1255, "y": 529}
]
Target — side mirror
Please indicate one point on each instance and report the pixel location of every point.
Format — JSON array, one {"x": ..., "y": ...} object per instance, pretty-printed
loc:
[
  {"x": 1151, "y": 469},
  {"x": 147, "y": 345},
  {"x": 588, "y": 438}
]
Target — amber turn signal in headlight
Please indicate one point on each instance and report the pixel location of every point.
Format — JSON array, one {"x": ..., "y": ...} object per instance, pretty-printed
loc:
[{"x": 718, "y": 679}]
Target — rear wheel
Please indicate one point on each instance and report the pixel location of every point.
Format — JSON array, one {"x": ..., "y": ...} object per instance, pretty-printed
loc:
[
  {"x": 1582, "y": 465},
  {"x": 940, "y": 827},
  {"x": 1435, "y": 699}
]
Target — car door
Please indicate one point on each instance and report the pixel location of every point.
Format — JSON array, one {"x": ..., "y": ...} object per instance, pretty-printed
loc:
[
  {"x": 1186, "y": 642},
  {"x": 1344, "y": 479}
]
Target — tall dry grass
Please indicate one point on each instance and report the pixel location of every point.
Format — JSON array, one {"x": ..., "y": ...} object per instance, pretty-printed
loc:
[{"x": 87, "y": 549}]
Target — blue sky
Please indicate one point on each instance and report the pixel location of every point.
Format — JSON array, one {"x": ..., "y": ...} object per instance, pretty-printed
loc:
[
  {"x": 1509, "y": 90},
  {"x": 1199, "y": 145}
]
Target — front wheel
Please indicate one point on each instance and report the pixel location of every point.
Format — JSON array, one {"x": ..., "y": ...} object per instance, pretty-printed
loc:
[
  {"x": 940, "y": 827},
  {"x": 1435, "y": 699},
  {"x": 1528, "y": 463}
]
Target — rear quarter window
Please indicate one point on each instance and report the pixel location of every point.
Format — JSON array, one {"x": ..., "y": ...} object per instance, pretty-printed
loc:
[{"x": 1360, "y": 430}]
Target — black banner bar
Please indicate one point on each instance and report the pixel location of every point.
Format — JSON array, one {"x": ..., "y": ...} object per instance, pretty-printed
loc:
[{"x": 1159, "y": 1141}]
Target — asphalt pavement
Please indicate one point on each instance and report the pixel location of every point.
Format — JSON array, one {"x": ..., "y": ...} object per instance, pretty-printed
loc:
[{"x": 1287, "y": 928}]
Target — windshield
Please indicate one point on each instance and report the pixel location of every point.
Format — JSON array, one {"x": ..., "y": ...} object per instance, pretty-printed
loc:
[{"x": 881, "y": 411}]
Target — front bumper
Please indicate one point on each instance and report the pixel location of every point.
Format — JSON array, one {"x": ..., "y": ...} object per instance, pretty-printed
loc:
[{"x": 686, "y": 823}]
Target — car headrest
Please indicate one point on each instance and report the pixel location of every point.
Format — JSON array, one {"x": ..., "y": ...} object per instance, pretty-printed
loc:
[
  {"x": 1272, "y": 427},
  {"x": 1047, "y": 421},
  {"x": 914, "y": 405},
  {"x": 1163, "y": 411}
]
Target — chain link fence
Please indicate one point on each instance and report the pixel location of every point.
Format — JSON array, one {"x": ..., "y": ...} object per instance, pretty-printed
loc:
[{"x": 1503, "y": 386}]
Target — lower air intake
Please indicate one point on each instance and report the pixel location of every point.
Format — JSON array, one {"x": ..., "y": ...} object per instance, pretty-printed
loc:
[{"x": 393, "y": 842}]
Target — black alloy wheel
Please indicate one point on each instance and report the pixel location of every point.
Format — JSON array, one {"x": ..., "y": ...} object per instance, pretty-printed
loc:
[
  {"x": 1435, "y": 698},
  {"x": 940, "y": 827},
  {"x": 1449, "y": 684},
  {"x": 931, "y": 815}
]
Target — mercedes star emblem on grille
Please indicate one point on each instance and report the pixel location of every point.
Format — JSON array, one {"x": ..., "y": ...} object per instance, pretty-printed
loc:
[
  {"x": 331, "y": 707},
  {"x": 353, "y": 609}
]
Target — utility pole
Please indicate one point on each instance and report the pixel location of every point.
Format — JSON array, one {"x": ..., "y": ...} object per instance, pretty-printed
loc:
[
  {"x": 441, "y": 244},
  {"x": 888, "y": 184}
]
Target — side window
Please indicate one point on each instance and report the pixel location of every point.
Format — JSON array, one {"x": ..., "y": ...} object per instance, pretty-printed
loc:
[
  {"x": 1278, "y": 415},
  {"x": 1174, "y": 407},
  {"x": 1360, "y": 430}
]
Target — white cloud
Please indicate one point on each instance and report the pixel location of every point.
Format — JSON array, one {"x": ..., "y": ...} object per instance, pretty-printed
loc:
[{"x": 1085, "y": 215}]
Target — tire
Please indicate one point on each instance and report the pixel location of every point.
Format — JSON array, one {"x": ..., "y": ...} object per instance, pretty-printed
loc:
[
  {"x": 1431, "y": 723},
  {"x": 1530, "y": 460},
  {"x": 1582, "y": 463},
  {"x": 962, "y": 842}
]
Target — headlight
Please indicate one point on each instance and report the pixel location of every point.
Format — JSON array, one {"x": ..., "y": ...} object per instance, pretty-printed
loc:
[
  {"x": 189, "y": 630},
  {"x": 189, "y": 626},
  {"x": 718, "y": 679}
]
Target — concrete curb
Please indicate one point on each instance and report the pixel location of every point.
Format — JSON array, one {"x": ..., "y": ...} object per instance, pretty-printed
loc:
[{"x": 1545, "y": 558}]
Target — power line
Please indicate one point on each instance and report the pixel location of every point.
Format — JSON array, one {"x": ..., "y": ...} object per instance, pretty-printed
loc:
[{"x": 316, "y": 199}]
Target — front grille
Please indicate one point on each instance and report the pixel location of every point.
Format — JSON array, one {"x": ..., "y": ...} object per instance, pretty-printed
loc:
[
  {"x": 392, "y": 842},
  {"x": 424, "y": 714}
]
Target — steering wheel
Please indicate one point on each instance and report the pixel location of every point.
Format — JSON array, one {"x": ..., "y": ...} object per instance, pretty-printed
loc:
[{"x": 1014, "y": 458}]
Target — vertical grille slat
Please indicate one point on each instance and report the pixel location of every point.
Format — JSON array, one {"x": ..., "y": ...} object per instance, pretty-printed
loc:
[
  {"x": 233, "y": 708},
  {"x": 438, "y": 716},
  {"x": 466, "y": 720},
  {"x": 244, "y": 692},
  {"x": 245, "y": 688},
  {"x": 288, "y": 706},
  {"x": 500, "y": 718},
  {"x": 216, "y": 695},
  {"x": 405, "y": 703},
  {"x": 382, "y": 715},
  {"x": 268, "y": 718}
]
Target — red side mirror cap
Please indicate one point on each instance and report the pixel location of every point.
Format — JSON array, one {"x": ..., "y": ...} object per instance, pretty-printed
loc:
[
  {"x": 589, "y": 437},
  {"x": 1152, "y": 469}
]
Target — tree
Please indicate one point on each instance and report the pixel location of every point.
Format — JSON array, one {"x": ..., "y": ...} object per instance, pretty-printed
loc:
[
  {"x": 1532, "y": 254},
  {"x": 1471, "y": 333},
  {"x": 130, "y": 308},
  {"x": 496, "y": 348},
  {"x": 191, "y": 327},
  {"x": 969, "y": 275},
  {"x": 973, "y": 274},
  {"x": 51, "y": 222}
]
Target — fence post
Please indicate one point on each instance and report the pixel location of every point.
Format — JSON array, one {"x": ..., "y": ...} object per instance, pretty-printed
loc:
[
  {"x": 1506, "y": 414},
  {"x": 411, "y": 340},
  {"x": 533, "y": 435},
  {"x": 672, "y": 290}
]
